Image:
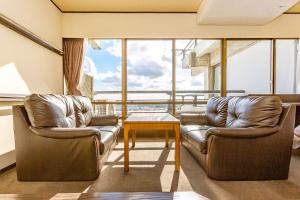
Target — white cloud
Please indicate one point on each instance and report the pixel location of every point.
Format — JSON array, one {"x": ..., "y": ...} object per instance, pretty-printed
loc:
[
  {"x": 115, "y": 47},
  {"x": 149, "y": 67},
  {"x": 89, "y": 66},
  {"x": 108, "y": 80}
]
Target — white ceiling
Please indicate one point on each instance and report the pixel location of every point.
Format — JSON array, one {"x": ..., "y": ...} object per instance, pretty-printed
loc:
[
  {"x": 128, "y": 5},
  {"x": 241, "y": 12}
]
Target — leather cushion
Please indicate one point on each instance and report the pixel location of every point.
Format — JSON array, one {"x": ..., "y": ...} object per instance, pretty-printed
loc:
[
  {"x": 198, "y": 140},
  {"x": 254, "y": 111},
  {"x": 107, "y": 139},
  {"x": 297, "y": 131},
  {"x": 216, "y": 111},
  {"x": 50, "y": 111},
  {"x": 187, "y": 128},
  {"x": 296, "y": 142},
  {"x": 83, "y": 110},
  {"x": 196, "y": 135},
  {"x": 113, "y": 129}
]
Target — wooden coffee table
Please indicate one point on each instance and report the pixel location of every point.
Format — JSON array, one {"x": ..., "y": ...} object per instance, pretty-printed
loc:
[{"x": 151, "y": 121}]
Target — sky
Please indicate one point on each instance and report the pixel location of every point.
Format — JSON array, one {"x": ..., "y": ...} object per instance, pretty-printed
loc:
[{"x": 149, "y": 66}]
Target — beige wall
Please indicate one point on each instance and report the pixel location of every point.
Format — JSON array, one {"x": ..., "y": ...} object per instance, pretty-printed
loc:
[
  {"x": 39, "y": 16},
  {"x": 26, "y": 67},
  {"x": 109, "y": 25}
]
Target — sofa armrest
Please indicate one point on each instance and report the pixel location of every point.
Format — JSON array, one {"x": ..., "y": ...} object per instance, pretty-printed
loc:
[
  {"x": 66, "y": 133},
  {"x": 242, "y": 132},
  {"x": 104, "y": 120},
  {"x": 199, "y": 119}
]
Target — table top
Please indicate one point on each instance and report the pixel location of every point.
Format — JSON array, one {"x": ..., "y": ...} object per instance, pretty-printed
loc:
[{"x": 151, "y": 118}]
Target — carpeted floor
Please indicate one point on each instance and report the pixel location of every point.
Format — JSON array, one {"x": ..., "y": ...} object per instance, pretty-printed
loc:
[{"x": 152, "y": 170}]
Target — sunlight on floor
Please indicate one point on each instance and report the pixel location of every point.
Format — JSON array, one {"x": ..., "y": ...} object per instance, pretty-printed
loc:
[{"x": 152, "y": 170}]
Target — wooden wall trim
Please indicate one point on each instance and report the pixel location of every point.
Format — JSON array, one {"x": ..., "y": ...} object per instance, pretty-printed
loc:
[
  {"x": 7, "y": 22},
  {"x": 133, "y": 12},
  {"x": 56, "y": 5},
  {"x": 123, "y": 12},
  {"x": 11, "y": 98}
]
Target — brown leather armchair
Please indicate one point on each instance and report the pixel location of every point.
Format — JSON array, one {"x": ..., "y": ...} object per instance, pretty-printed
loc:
[
  {"x": 296, "y": 143},
  {"x": 241, "y": 138},
  {"x": 58, "y": 138}
]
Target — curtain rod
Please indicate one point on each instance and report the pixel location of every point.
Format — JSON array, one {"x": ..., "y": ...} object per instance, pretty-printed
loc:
[{"x": 7, "y": 22}]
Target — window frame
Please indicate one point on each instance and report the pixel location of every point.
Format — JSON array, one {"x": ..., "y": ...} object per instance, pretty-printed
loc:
[{"x": 223, "y": 68}]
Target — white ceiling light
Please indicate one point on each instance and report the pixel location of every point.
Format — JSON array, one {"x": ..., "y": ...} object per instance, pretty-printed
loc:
[{"x": 241, "y": 12}]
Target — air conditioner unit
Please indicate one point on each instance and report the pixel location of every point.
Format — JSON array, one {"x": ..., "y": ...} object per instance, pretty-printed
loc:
[
  {"x": 201, "y": 64},
  {"x": 188, "y": 60},
  {"x": 202, "y": 61},
  {"x": 192, "y": 60}
]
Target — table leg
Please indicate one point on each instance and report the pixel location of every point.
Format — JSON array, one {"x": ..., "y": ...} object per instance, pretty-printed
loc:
[
  {"x": 133, "y": 137},
  {"x": 177, "y": 147},
  {"x": 167, "y": 138},
  {"x": 126, "y": 148}
]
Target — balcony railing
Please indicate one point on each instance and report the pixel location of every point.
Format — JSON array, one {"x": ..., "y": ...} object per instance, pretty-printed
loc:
[{"x": 109, "y": 102}]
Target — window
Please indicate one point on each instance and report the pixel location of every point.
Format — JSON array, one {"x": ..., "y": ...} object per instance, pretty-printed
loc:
[
  {"x": 149, "y": 70},
  {"x": 149, "y": 74},
  {"x": 144, "y": 108},
  {"x": 102, "y": 72},
  {"x": 249, "y": 67},
  {"x": 197, "y": 73},
  {"x": 287, "y": 67}
]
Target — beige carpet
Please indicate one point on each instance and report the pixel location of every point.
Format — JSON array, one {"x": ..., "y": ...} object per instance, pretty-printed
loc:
[{"x": 152, "y": 170}]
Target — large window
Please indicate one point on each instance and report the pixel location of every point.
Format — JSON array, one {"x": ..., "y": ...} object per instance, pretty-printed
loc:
[
  {"x": 149, "y": 74},
  {"x": 197, "y": 73},
  {"x": 149, "y": 70},
  {"x": 180, "y": 75},
  {"x": 287, "y": 67},
  {"x": 103, "y": 71},
  {"x": 249, "y": 64}
]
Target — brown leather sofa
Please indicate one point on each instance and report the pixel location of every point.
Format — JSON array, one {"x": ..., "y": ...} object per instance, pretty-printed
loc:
[
  {"x": 58, "y": 138},
  {"x": 241, "y": 138}
]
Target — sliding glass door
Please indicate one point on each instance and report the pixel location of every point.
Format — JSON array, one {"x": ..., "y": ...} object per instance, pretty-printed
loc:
[
  {"x": 102, "y": 75},
  {"x": 180, "y": 75},
  {"x": 249, "y": 67},
  {"x": 198, "y": 65},
  {"x": 149, "y": 75},
  {"x": 287, "y": 66}
]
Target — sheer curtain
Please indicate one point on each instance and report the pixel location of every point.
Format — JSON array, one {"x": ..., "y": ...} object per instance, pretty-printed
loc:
[{"x": 72, "y": 63}]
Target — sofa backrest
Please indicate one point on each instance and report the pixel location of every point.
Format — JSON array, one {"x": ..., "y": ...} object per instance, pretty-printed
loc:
[
  {"x": 216, "y": 111},
  {"x": 83, "y": 110},
  {"x": 50, "y": 111},
  {"x": 253, "y": 111}
]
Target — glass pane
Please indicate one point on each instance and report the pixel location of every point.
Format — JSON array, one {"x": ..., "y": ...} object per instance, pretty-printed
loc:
[
  {"x": 190, "y": 108},
  {"x": 287, "y": 67},
  {"x": 135, "y": 108},
  {"x": 149, "y": 69},
  {"x": 102, "y": 62},
  {"x": 197, "y": 70},
  {"x": 108, "y": 109},
  {"x": 248, "y": 67}
]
